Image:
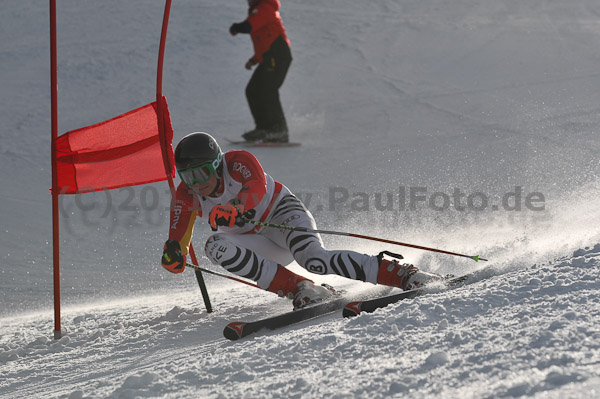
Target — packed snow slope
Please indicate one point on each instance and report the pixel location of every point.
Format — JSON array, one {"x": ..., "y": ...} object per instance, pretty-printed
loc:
[{"x": 470, "y": 126}]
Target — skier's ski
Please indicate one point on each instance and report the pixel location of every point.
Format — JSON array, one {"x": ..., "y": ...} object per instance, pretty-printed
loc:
[
  {"x": 357, "y": 307},
  {"x": 244, "y": 143},
  {"x": 237, "y": 330},
  {"x": 367, "y": 302}
]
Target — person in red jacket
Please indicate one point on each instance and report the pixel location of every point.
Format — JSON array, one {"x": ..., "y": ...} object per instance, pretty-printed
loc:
[
  {"x": 224, "y": 187},
  {"x": 273, "y": 56}
]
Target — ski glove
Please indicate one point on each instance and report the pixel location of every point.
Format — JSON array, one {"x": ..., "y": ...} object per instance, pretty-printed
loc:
[
  {"x": 172, "y": 259},
  {"x": 225, "y": 215},
  {"x": 242, "y": 27}
]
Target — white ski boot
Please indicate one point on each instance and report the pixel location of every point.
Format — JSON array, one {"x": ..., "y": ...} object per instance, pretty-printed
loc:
[{"x": 308, "y": 293}]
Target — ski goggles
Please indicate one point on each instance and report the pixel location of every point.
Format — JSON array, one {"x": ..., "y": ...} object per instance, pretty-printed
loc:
[{"x": 200, "y": 174}]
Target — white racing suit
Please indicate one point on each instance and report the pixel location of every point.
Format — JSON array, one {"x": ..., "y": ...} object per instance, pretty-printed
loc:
[{"x": 256, "y": 255}]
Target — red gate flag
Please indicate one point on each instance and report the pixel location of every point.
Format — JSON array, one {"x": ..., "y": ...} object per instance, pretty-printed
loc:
[{"x": 123, "y": 151}]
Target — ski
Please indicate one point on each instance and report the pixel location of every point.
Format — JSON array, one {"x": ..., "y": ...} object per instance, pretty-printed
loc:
[
  {"x": 244, "y": 143},
  {"x": 370, "y": 305},
  {"x": 363, "y": 303},
  {"x": 237, "y": 330}
]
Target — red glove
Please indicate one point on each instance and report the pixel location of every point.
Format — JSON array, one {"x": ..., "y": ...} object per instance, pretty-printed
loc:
[
  {"x": 172, "y": 259},
  {"x": 225, "y": 215}
]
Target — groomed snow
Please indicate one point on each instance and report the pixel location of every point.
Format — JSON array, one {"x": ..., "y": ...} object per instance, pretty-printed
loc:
[{"x": 489, "y": 98}]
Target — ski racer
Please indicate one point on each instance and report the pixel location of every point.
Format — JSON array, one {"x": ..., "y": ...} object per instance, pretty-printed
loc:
[
  {"x": 224, "y": 187},
  {"x": 273, "y": 56}
]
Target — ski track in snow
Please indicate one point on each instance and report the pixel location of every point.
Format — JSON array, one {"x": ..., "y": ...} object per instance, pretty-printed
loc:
[{"x": 478, "y": 95}]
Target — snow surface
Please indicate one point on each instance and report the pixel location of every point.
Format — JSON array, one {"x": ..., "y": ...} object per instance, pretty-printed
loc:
[{"x": 479, "y": 96}]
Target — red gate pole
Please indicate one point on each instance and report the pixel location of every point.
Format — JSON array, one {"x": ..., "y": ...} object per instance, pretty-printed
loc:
[
  {"x": 161, "y": 129},
  {"x": 55, "y": 193}
]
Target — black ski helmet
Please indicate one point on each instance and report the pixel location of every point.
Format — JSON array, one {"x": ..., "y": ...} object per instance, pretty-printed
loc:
[{"x": 196, "y": 149}]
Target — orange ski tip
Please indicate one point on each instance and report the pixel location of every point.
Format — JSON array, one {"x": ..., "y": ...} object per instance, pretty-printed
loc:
[
  {"x": 234, "y": 328},
  {"x": 353, "y": 307}
]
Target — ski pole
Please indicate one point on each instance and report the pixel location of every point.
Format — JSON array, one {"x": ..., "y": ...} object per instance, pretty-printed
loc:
[
  {"x": 476, "y": 258},
  {"x": 198, "y": 268}
]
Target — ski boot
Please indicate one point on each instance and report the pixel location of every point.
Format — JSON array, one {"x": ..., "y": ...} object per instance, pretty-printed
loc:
[
  {"x": 308, "y": 293},
  {"x": 277, "y": 137},
  {"x": 404, "y": 276},
  {"x": 255, "y": 135},
  {"x": 293, "y": 286}
]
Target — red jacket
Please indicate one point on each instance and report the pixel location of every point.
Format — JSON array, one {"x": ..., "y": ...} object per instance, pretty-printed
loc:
[{"x": 266, "y": 26}]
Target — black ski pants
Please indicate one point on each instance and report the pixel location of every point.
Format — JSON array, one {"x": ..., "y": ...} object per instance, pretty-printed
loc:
[{"x": 262, "y": 91}]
